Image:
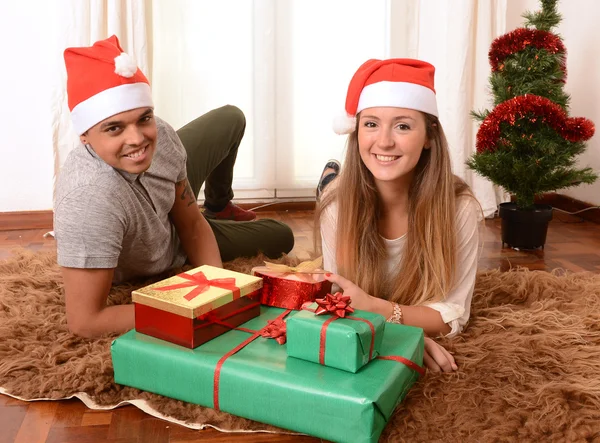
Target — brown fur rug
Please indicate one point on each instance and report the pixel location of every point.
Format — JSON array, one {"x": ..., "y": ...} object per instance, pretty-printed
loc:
[{"x": 529, "y": 362}]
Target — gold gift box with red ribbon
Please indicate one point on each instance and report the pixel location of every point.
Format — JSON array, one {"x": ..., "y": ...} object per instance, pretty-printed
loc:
[{"x": 196, "y": 306}]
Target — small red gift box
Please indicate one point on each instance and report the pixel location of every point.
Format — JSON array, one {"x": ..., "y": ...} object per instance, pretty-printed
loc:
[
  {"x": 194, "y": 307},
  {"x": 290, "y": 287}
]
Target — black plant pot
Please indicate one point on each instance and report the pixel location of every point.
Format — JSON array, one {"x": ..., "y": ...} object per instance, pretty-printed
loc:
[{"x": 525, "y": 228}]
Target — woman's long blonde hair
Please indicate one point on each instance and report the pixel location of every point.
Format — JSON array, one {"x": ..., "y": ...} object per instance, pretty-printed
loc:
[{"x": 427, "y": 269}]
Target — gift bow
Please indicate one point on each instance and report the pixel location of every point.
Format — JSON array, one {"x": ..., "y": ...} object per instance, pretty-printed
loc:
[
  {"x": 275, "y": 329},
  {"x": 202, "y": 284},
  {"x": 337, "y": 304},
  {"x": 306, "y": 267}
]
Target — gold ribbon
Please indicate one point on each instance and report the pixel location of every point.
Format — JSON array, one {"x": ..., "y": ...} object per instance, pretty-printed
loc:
[{"x": 306, "y": 267}]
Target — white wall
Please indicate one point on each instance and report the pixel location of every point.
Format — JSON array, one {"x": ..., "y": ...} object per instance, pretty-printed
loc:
[
  {"x": 580, "y": 34},
  {"x": 26, "y": 157},
  {"x": 34, "y": 117}
]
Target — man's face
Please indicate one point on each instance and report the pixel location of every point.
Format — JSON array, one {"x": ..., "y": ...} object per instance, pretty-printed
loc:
[{"x": 125, "y": 141}]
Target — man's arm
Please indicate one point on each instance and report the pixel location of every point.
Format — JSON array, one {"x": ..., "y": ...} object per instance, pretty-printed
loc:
[
  {"x": 86, "y": 291},
  {"x": 196, "y": 236}
]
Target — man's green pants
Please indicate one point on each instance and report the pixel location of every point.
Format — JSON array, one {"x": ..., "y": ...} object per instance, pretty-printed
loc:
[{"x": 212, "y": 142}]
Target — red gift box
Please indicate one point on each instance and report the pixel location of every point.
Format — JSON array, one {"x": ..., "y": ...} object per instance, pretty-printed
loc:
[
  {"x": 290, "y": 287},
  {"x": 194, "y": 307}
]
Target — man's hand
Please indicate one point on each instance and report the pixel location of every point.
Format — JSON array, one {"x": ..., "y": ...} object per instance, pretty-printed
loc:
[
  {"x": 86, "y": 291},
  {"x": 196, "y": 236},
  {"x": 437, "y": 358}
]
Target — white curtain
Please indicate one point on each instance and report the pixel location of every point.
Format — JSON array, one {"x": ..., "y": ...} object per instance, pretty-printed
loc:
[
  {"x": 81, "y": 23},
  {"x": 207, "y": 54},
  {"x": 287, "y": 64},
  {"x": 319, "y": 46},
  {"x": 455, "y": 37}
]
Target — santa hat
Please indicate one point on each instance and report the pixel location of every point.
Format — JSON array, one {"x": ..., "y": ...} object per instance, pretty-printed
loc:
[
  {"x": 102, "y": 81},
  {"x": 396, "y": 82}
]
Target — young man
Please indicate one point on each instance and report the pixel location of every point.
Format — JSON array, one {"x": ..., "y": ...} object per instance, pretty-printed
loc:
[{"x": 125, "y": 204}]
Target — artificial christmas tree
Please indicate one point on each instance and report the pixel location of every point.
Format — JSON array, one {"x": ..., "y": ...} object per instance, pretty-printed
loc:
[{"x": 527, "y": 143}]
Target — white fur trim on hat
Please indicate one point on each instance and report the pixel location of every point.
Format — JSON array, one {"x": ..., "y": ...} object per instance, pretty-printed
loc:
[
  {"x": 398, "y": 95},
  {"x": 110, "y": 102},
  {"x": 125, "y": 65},
  {"x": 344, "y": 123}
]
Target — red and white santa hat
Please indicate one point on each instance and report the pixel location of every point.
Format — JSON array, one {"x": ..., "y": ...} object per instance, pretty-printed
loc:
[
  {"x": 102, "y": 81},
  {"x": 396, "y": 82}
]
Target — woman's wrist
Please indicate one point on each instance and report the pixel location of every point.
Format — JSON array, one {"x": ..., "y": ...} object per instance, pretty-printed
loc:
[
  {"x": 381, "y": 306},
  {"x": 396, "y": 316}
]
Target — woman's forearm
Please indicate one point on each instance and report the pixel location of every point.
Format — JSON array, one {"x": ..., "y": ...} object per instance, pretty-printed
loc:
[
  {"x": 427, "y": 318},
  {"x": 423, "y": 317}
]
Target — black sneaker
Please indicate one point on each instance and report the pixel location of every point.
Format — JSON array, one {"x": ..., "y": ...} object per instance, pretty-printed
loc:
[{"x": 329, "y": 177}]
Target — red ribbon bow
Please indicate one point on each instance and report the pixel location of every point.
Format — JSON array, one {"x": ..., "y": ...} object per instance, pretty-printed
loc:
[
  {"x": 337, "y": 304},
  {"x": 275, "y": 329},
  {"x": 202, "y": 284}
]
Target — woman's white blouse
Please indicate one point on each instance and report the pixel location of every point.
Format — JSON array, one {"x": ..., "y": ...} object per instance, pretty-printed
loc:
[{"x": 456, "y": 307}]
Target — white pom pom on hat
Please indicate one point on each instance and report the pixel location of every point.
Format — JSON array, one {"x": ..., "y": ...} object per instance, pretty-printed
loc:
[
  {"x": 344, "y": 123},
  {"x": 399, "y": 82},
  {"x": 125, "y": 65}
]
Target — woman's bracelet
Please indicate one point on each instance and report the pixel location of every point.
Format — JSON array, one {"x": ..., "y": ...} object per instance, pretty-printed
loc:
[{"x": 396, "y": 316}]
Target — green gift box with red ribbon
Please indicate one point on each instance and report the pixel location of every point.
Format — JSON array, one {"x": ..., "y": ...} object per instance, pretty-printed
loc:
[
  {"x": 328, "y": 334},
  {"x": 248, "y": 373}
]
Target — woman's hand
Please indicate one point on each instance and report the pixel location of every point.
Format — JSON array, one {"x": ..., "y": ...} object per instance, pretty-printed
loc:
[
  {"x": 437, "y": 358},
  {"x": 360, "y": 299}
]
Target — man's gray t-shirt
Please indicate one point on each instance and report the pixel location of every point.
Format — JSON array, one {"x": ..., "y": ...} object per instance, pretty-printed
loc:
[{"x": 108, "y": 218}]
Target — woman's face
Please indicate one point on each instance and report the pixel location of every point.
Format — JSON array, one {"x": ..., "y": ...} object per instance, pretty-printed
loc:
[{"x": 390, "y": 142}]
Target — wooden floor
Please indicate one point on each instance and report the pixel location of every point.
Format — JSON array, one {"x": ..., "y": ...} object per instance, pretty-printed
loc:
[{"x": 571, "y": 245}]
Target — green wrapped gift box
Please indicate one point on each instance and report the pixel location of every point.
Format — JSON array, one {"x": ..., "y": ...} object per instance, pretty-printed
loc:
[
  {"x": 344, "y": 343},
  {"x": 262, "y": 383}
]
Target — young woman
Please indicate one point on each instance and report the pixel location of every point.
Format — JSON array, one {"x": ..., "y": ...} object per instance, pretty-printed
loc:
[{"x": 399, "y": 232}]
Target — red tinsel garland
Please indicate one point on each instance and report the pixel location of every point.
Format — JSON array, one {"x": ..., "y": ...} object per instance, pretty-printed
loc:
[
  {"x": 518, "y": 40},
  {"x": 532, "y": 107}
]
